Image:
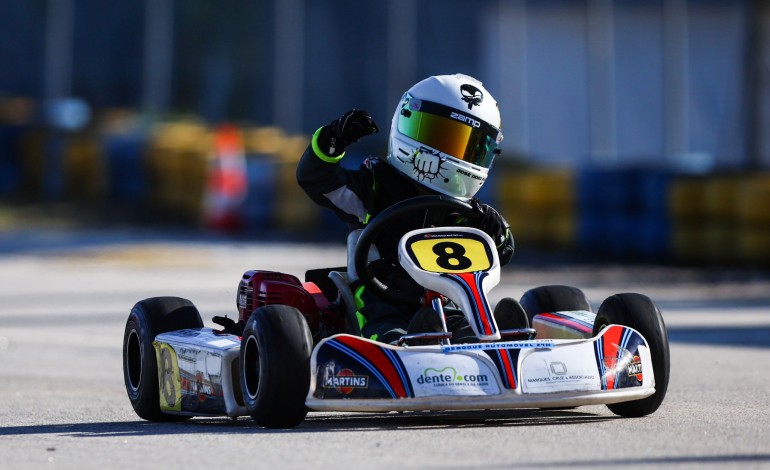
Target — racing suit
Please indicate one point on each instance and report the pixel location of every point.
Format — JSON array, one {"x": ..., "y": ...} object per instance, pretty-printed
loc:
[{"x": 356, "y": 196}]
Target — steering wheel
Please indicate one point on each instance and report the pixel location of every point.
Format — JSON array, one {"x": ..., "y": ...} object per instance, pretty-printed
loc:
[{"x": 385, "y": 219}]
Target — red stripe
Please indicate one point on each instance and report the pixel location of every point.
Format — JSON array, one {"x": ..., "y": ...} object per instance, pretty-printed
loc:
[
  {"x": 611, "y": 345},
  {"x": 506, "y": 360},
  {"x": 565, "y": 321},
  {"x": 377, "y": 357},
  {"x": 470, "y": 280}
]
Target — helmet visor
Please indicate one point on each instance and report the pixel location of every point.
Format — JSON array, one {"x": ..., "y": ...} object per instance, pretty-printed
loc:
[{"x": 449, "y": 131}]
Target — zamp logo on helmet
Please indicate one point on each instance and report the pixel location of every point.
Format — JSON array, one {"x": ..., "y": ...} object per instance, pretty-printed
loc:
[{"x": 467, "y": 120}]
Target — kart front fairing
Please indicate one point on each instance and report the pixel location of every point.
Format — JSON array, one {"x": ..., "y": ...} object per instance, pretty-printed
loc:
[
  {"x": 355, "y": 374},
  {"x": 350, "y": 373}
]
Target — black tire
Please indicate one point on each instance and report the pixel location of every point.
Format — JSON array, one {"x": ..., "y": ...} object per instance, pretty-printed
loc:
[
  {"x": 553, "y": 299},
  {"x": 275, "y": 366},
  {"x": 149, "y": 318},
  {"x": 640, "y": 313},
  {"x": 510, "y": 315}
]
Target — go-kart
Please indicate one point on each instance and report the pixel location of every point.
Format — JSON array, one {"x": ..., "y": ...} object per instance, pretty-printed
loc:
[{"x": 299, "y": 349}]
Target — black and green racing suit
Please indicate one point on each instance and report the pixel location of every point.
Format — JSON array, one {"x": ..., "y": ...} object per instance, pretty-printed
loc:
[{"x": 356, "y": 196}]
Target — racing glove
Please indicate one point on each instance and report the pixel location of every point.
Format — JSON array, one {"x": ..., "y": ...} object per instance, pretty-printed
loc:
[
  {"x": 335, "y": 137},
  {"x": 491, "y": 221},
  {"x": 229, "y": 325}
]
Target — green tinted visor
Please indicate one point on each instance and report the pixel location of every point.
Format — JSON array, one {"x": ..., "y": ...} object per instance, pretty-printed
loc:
[{"x": 449, "y": 131}]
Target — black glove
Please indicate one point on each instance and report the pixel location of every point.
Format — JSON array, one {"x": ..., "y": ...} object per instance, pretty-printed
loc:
[
  {"x": 230, "y": 326},
  {"x": 491, "y": 221},
  {"x": 351, "y": 126}
]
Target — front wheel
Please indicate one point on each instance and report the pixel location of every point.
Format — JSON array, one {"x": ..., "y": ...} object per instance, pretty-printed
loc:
[
  {"x": 149, "y": 318},
  {"x": 640, "y": 313},
  {"x": 275, "y": 366}
]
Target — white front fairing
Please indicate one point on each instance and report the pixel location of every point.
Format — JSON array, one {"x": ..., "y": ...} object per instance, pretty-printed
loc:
[
  {"x": 350, "y": 373},
  {"x": 460, "y": 263}
]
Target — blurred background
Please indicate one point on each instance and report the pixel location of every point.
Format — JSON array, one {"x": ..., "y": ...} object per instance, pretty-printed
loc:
[{"x": 636, "y": 130}]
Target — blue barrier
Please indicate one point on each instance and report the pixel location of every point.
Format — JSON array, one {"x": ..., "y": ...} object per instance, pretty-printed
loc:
[
  {"x": 606, "y": 190},
  {"x": 624, "y": 212},
  {"x": 654, "y": 187},
  {"x": 53, "y": 177},
  {"x": 258, "y": 207},
  {"x": 125, "y": 154},
  {"x": 10, "y": 165}
]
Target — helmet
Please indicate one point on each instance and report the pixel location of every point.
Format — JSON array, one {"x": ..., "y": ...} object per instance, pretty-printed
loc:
[{"x": 445, "y": 134}]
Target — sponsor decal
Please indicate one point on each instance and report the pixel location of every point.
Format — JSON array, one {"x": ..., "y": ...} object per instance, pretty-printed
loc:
[
  {"x": 558, "y": 373},
  {"x": 613, "y": 365},
  {"x": 558, "y": 368},
  {"x": 345, "y": 381},
  {"x": 635, "y": 368},
  {"x": 536, "y": 344},
  {"x": 471, "y": 95},
  {"x": 448, "y": 377},
  {"x": 568, "y": 368},
  {"x": 465, "y": 119},
  {"x": 471, "y": 175},
  {"x": 169, "y": 380},
  {"x": 436, "y": 374},
  {"x": 203, "y": 387}
]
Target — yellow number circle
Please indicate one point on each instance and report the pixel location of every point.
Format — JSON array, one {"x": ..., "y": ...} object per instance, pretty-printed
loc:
[{"x": 451, "y": 255}]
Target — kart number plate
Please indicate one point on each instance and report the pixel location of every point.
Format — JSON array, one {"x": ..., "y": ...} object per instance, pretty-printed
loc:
[{"x": 449, "y": 252}]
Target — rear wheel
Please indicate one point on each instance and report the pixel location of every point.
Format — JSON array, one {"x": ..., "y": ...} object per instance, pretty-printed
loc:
[
  {"x": 275, "y": 366},
  {"x": 640, "y": 313},
  {"x": 147, "y": 319},
  {"x": 556, "y": 298}
]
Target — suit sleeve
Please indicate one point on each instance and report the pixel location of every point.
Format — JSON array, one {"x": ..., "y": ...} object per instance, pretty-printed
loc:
[
  {"x": 346, "y": 192},
  {"x": 505, "y": 249}
]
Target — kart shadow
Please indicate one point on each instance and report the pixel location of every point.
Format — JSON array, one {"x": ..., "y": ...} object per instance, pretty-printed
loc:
[
  {"x": 453, "y": 419},
  {"x": 320, "y": 422}
]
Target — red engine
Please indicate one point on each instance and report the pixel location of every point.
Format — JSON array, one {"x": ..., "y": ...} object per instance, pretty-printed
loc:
[{"x": 260, "y": 288}]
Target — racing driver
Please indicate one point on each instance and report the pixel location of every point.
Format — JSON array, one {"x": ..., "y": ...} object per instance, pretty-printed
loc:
[{"x": 443, "y": 138}]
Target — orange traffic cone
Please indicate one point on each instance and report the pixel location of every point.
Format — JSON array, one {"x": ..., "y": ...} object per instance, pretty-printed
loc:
[{"x": 227, "y": 182}]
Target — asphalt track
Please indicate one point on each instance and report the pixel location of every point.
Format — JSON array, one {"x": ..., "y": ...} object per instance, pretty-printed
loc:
[{"x": 63, "y": 404}]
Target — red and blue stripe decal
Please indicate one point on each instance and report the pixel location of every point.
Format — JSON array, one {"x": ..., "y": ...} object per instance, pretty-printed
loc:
[
  {"x": 557, "y": 318},
  {"x": 506, "y": 361},
  {"x": 610, "y": 348},
  {"x": 383, "y": 363},
  {"x": 482, "y": 314}
]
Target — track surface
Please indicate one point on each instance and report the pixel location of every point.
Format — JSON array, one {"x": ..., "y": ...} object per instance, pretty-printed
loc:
[{"x": 63, "y": 403}]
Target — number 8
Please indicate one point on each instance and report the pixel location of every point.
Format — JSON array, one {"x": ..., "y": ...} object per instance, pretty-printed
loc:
[{"x": 450, "y": 256}]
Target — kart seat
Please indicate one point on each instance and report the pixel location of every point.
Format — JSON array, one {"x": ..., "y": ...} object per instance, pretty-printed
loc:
[
  {"x": 343, "y": 281},
  {"x": 340, "y": 280}
]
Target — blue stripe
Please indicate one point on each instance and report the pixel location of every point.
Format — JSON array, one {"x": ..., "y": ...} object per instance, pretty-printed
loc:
[
  {"x": 627, "y": 335},
  {"x": 480, "y": 276},
  {"x": 399, "y": 366},
  {"x": 599, "y": 345},
  {"x": 352, "y": 353}
]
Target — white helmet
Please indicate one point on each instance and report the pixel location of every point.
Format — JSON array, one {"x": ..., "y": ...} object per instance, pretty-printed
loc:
[{"x": 445, "y": 134}]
